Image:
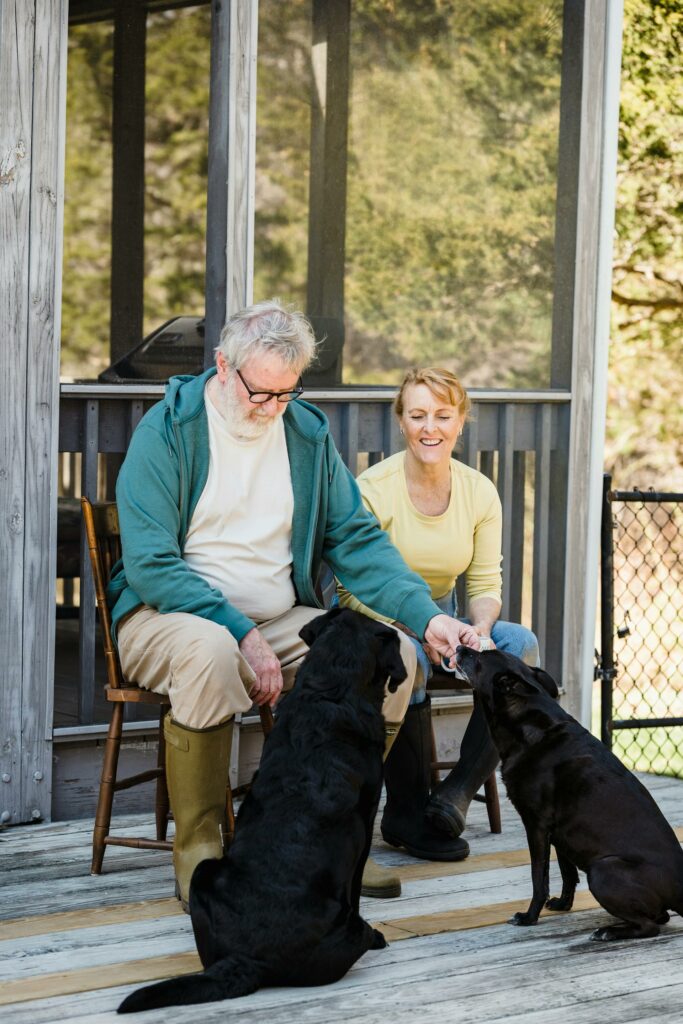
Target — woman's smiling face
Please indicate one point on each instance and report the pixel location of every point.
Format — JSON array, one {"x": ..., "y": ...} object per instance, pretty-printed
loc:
[{"x": 430, "y": 423}]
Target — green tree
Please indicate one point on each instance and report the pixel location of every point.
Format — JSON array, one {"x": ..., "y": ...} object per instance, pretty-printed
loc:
[
  {"x": 645, "y": 413},
  {"x": 87, "y": 203}
]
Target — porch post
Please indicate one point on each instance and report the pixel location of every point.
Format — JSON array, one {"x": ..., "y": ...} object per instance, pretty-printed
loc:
[
  {"x": 599, "y": 120},
  {"x": 33, "y": 41},
  {"x": 232, "y": 159},
  {"x": 327, "y": 190},
  {"x": 128, "y": 178}
]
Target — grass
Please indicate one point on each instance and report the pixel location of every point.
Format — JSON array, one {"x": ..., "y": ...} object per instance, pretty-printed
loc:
[{"x": 658, "y": 750}]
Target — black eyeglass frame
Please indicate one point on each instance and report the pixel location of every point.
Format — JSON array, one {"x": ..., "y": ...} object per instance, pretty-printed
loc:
[{"x": 290, "y": 395}]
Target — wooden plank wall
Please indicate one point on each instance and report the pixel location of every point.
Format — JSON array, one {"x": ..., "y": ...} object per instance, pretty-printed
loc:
[{"x": 33, "y": 89}]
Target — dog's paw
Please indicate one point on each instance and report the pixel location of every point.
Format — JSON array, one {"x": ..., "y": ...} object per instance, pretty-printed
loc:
[
  {"x": 378, "y": 940},
  {"x": 525, "y": 920},
  {"x": 603, "y": 935},
  {"x": 559, "y": 903}
]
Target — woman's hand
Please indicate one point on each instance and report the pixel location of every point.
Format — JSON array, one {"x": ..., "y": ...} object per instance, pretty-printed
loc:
[{"x": 483, "y": 613}]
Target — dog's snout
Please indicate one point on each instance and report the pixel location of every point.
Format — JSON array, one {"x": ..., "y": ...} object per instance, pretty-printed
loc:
[{"x": 463, "y": 653}]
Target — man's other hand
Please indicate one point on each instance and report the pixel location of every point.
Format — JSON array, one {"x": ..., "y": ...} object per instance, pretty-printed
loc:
[{"x": 266, "y": 667}]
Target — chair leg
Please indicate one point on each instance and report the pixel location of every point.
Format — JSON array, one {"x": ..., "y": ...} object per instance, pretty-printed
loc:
[
  {"x": 106, "y": 796},
  {"x": 162, "y": 803},
  {"x": 492, "y": 803}
]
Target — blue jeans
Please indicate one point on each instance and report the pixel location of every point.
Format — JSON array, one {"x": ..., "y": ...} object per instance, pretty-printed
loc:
[{"x": 507, "y": 636}]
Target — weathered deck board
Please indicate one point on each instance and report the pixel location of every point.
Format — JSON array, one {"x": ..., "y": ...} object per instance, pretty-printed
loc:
[{"x": 78, "y": 933}]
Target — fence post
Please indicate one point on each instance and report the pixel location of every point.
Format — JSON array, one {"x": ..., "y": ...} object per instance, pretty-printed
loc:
[{"x": 606, "y": 670}]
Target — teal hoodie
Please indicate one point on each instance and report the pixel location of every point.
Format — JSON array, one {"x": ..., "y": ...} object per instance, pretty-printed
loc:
[{"x": 160, "y": 483}]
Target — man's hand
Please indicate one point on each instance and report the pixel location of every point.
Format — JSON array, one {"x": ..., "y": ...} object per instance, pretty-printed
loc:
[
  {"x": 266, "y": 667},
  {"x": 443, "y": 634}
]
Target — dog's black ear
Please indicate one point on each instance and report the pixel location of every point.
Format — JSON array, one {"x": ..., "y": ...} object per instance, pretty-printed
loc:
[
  {"x": 389, "y": 658},
  {"x": 546, "y": 681},
  {"x": 312, "y": 630}
]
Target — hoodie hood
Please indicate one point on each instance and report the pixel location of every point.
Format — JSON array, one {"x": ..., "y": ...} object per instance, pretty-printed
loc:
[{"x": 184, "y": 395}]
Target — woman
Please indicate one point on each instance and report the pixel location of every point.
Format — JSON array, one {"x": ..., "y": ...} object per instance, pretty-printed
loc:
[{"x": 446, "y": 519}]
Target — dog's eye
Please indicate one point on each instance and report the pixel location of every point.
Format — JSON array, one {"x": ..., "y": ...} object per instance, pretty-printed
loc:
[
  {"x": 512, "y": 684},
  {"x": 504, "y": 682}
]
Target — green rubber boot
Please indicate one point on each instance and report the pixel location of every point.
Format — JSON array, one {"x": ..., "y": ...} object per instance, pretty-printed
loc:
[
  {"x": 197, "y": 766},
  {"x": 407, "y": 775},
  {"x": 381, "y": 883}
]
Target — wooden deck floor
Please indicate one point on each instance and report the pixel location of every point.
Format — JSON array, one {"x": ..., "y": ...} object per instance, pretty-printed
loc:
[{"x": 71, "y": 946}]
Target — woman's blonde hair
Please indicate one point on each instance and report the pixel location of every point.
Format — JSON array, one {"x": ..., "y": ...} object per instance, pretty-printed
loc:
[{"x": 442, "y": 383}]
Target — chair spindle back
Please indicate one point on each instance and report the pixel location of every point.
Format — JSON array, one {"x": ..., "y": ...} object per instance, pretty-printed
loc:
[{"x": 101, "y": 521}]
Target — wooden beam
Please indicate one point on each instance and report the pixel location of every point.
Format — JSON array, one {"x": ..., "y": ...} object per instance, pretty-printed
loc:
[
  {"x": 16, "y": 86},
  {"x": 128, "y": 177},
  {"x": 329, "y": 150},
  {"x": 567, "y": 192},
  {"x": 33, "y": 86},
  {"x": 232, "y": 161},
  {"x": 84, "y": 11},
  {"x": 595, "y": 226}
]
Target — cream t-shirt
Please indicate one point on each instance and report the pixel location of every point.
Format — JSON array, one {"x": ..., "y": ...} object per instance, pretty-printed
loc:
[{"x": 240, "y": 535}]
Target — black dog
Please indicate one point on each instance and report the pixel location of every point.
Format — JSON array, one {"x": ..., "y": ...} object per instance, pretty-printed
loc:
[
  {"x": 281, "y": 908},
  {"x": 571, "y": 791}
]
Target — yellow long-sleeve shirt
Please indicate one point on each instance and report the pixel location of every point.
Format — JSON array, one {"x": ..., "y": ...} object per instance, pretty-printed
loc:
[{"x": 466, "y": 538}]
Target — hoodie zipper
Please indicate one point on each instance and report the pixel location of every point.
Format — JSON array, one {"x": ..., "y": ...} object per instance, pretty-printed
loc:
[
  {"x": 181, "y": 479},
  {"x": 310, "y": 540}
]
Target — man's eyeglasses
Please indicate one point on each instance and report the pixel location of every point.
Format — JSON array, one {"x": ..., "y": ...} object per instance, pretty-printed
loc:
[{"x": 259, "y": 397}]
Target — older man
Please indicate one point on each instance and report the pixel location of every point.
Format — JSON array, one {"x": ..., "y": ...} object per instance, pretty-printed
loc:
[{"x": 231, "y": 494}]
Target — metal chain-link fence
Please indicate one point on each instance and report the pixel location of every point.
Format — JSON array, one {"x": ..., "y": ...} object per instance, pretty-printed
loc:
[{"x": 641, "y": 661}]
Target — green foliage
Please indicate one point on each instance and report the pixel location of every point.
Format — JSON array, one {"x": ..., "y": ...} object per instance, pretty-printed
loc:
[
  {"x": 282, "y": 151},
  {"x": 176, "y": 162},
  {"x": 450, "y": 170},
  {"x": 87, "y": 206},
  {"x": 451, "y": 185},
  {"x": 451, "y": 174},
  {"x": 645, "y": 414},
  {"x": 451, "y": 163},
  {"x": 177, "y": 104}
]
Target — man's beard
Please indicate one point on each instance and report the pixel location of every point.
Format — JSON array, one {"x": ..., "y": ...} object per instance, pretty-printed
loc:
[{"x": 246, "y": 426}]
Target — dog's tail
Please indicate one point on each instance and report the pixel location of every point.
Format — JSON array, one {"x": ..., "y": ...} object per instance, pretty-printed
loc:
[{"x": 226, "y": 979}]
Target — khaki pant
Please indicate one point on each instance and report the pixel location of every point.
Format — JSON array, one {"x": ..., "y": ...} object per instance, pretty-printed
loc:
[{"x": 198, "y": 663}]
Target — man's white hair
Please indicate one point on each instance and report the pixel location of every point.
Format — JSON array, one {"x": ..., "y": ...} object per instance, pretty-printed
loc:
[{"x": 267, "y": 327}]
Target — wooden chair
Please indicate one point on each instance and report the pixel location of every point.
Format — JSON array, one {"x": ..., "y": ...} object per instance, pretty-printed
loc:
[
  {"x": 104, "y": 545},
  {"x": 445, "y": 681}
]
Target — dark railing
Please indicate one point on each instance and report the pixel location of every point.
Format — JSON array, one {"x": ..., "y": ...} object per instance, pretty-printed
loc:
[
  {"x": 640, "y": 665},
  {"x": 518, "y": 439}
]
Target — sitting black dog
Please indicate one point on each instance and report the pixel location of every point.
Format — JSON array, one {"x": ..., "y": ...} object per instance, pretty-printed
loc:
[
  {"x": 571, "y": 791},
  {"x": 281, "y": 908}
]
